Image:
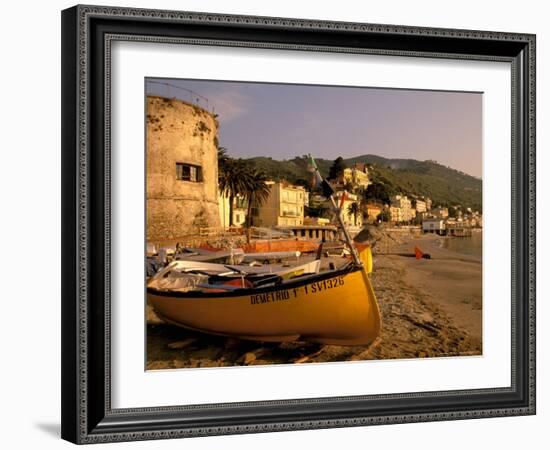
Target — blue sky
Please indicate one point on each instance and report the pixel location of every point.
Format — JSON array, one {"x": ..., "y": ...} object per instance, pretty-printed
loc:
[{"x": 285, "y": 120}]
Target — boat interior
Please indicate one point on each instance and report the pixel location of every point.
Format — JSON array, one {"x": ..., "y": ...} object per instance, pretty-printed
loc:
[{"x": 241, "y": 284}]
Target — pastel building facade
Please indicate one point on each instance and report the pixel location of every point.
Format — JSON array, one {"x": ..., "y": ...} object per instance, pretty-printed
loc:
[
  {"x": 349, "y": 199},
  {"x": 357, "y": 176},
  {"x": 373, "y": 211},
  {"x": 239, "y": 211},
  {"x": 400, "y": 209},
  {"x": 284, "y": 207}
]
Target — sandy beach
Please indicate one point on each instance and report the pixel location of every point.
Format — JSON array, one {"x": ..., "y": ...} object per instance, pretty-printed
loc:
[{"x": 430, "y": 308}]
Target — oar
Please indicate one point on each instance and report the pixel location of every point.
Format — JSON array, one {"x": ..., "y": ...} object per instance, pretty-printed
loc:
[
  {"x": 235, "y": 269},
  {"x": 198, "y": 271}
]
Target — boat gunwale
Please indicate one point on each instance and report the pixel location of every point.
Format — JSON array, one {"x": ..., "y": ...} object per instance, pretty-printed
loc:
[{"x": 257, "y": 290}]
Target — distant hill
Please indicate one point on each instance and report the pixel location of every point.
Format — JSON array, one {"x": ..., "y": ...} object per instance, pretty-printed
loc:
[{"x": 444, "y": 185}]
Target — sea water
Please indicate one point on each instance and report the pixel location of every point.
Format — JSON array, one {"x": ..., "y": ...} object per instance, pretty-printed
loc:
[{"x": 470, "y": 246}]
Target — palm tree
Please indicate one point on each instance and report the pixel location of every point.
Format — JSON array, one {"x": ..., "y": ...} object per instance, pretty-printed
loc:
[
  {"x": 256, "y": 194},
  {"x": 353, "y": 210},
  {"x": 232, "y": 179},
  {"x": 363, "y": 207},
  {"x": 223, "y": 157}
]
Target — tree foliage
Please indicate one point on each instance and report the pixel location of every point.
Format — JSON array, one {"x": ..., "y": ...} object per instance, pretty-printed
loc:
[
  {"x": 445, "y": 186},
  {"x": 384, "y": 216},
  {"x": 237, "y": 177},
  {"x": 378, "y": 191},
  {"x": 337, "y": 168},
  {"x": 354, "y": 210},
  {"x": 257, "y": 191}
]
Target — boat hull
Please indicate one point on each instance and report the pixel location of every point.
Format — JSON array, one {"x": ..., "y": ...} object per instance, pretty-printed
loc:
[{"x": 337, "y": 308}]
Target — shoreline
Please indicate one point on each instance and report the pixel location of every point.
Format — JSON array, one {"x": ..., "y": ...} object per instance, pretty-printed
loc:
[{"x": 441, "y": 294}]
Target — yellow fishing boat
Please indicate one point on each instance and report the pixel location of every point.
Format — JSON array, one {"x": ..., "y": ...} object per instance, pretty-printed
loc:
[{"x": 336, "y": 307}]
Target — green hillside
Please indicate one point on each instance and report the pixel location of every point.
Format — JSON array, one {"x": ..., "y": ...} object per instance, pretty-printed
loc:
[{"x": 444, "y": 185}]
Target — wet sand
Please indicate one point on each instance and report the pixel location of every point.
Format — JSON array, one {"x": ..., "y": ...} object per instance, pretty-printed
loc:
[{"x": 430, "y": 308}]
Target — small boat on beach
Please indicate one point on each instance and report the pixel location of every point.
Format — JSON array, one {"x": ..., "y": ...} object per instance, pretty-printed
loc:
[{"x": 336, "y": 307}]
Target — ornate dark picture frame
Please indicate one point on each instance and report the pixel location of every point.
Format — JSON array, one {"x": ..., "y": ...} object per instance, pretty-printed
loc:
[{"x": 87, "y": 35}]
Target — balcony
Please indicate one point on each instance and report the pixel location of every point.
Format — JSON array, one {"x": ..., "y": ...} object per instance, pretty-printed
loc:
[{"x": 290, "y": 214}]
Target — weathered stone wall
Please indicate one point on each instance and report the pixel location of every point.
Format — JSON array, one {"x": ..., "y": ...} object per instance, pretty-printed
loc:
[{"x": 178, "y": 132}]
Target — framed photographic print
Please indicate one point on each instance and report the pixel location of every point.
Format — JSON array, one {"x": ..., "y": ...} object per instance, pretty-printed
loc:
[{"x": 281, "y": 224}]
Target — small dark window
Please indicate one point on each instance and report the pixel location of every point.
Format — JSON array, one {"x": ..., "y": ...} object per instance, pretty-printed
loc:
[{"x": 188, "y": 172}]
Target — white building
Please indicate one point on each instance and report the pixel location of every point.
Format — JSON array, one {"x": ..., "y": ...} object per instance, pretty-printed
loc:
[
  {"x": 348, "y": 218},
  {"x": 433, "y": 226},
  {"x": 239, "y": 211}
]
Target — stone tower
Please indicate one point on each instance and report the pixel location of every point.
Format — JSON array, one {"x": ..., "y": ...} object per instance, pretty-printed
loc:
[{"x": 182, "y": 169}]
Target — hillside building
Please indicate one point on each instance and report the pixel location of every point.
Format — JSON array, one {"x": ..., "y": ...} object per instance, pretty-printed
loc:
[
  {"x": 396, "y": 214},
  {"x": 357, "y": 176},
  {"x": 400, "y": 209},
  {"x": 421, "y": 206},
  {"x": 373, "y": 211},
  {"x": 441, "y": 212}
]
